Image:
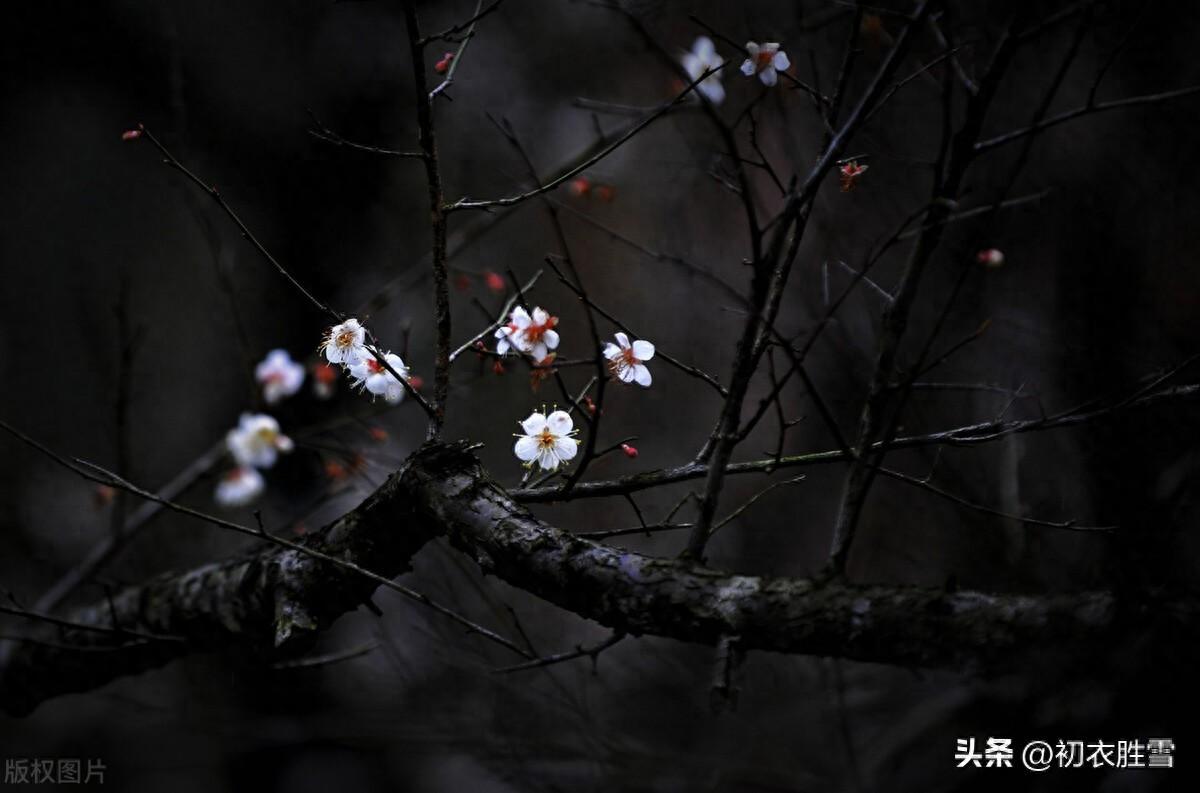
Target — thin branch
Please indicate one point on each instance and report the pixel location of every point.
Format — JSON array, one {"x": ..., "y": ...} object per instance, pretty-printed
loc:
[
  {"x": 1087, "y": 109},
  {"x": 549, "y": 660},
  {"x": 508, "y": 201}
]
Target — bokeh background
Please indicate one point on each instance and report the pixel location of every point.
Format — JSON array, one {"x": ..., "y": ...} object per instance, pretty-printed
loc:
[{"x": 1099, "y": 289}]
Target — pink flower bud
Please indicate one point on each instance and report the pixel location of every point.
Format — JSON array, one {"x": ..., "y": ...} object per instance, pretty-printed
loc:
[
  {"x": 629, "y": 451},
  {"x": 131, "y": 134}
]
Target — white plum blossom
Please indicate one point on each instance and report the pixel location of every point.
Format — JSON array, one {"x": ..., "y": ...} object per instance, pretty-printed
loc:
[
  {"x": 766, "y": 60},
  {"x": 240, "y": 487},
  {"x": 533, "y": 334},
  {"x": 279, "y": 376},
  {"x": 373, "y": 376},
  {"x": 701, "y": 59},
  {"x": 345, "y": 343},
  {"x": 627, "y": 361},
  {"x": 256, "y": 441},
  {"x": 547, "y": 441}
]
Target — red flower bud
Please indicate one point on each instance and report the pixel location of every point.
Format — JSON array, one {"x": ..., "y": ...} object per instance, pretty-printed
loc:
[
  {"x": 494, "y": 281},
  {"x": 629, "y": 451},
  {"x": 131, "y": 134},
  {"x": 416, "y": 381},
  {"x": 498, "y": 367},
  {"x": 581, "y": 186}
]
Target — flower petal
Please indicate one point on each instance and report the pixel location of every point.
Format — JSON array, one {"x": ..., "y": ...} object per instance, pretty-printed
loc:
[
  {"x": 622, "y": 339},
  {"x": 520, "y": 317},
  {"x": 643, "y": 350},
  {"x": 540, "y": 315},
  {"x": 566, "y": 448},
  {"x": 534, "y": 424},
  {"x": 625, "y": 374},
  {"x": 526, "y": 448},
  {"x": 551, "y": 339},
  {"x": 713, "y": 90},
  {"x": 780, "y": 61},
  {"x": 747, "y": 67},
  {"x": 377, "y": 384},
  {"x": 612, "y": 351},
  {"x": 768, "y": 76},
  {"x": 642, "y": 375},
  {"x": 704, "y": 48},
  {"x": 560, "y": 422}
]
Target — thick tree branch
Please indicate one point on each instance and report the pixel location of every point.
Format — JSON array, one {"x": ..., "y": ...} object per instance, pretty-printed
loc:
[{"x": 272, "y": 598}]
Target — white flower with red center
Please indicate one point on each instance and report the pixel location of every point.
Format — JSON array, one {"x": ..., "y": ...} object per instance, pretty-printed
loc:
[
  {"x": 373, "y": 376},
  {"x": 547, "y": 441},
  {"x": 766, "y": 60},
  {"x": 345, "y": 343},
  {"x": 256, "y": 441},
  {"x": 626, "y": 361},
  {"x": 533, "y": 334},
  {"x": 240, "y": 487},
  {"x": 704, "y": 58},
  {"x": 279, "y": 376}
]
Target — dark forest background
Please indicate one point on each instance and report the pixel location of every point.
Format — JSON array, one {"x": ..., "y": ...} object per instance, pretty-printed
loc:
[{"x": 1100, "y": 288}]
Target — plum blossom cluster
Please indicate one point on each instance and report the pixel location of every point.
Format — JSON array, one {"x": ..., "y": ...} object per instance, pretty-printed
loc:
[
  {"x": 255, "y": 443},
  {"x": 345, "y": 344},
  {"x": 548, "y": 441}
]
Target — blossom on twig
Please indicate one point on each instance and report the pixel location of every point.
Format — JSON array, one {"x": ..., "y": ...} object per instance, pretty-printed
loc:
[
  {"x": 345, "y": 343},
  {"x": 626, "y": 361},
  {"x": 375, "y": 378},
  {"x": 704, "y": 58},
  {"x": 766, "y": 60},
  {"x": 279, "y": 376},
  {"x": 256, "y": 441},
  {"x": 547, "y": 441}
]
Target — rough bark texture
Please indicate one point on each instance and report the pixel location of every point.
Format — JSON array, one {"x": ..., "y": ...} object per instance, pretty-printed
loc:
[
  {"x": 274, "y": 597},
  {"x": 270, "y": 599}
]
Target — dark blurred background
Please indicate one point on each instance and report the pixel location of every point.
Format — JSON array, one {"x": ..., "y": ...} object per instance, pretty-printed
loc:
[{"x": 1099, "y": 289}]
